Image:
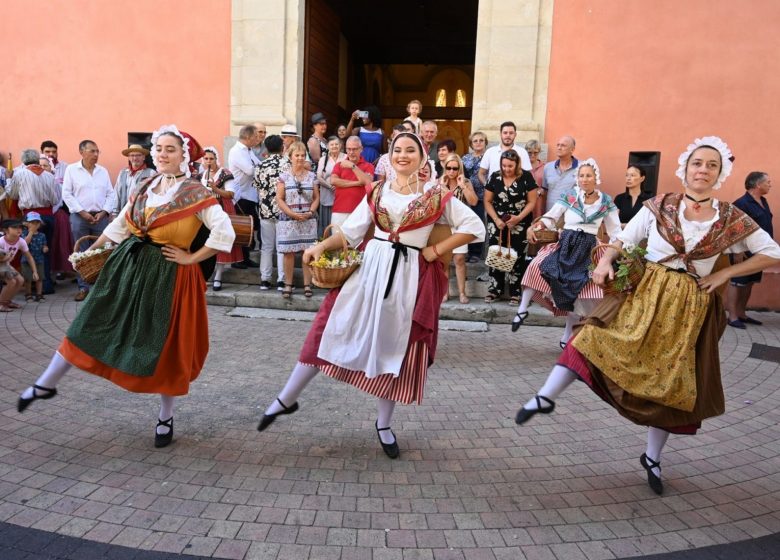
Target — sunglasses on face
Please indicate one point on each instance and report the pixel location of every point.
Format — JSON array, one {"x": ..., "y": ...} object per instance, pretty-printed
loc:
[{"x": 451, "y": 168}]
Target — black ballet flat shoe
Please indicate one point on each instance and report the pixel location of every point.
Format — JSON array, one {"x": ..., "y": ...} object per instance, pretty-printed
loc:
[
  {"x": 268, "y": 419},
  {"x": 563, "y": 344},
  {"x": 24, "y": 403},
  {"x": 390, "y": 449},
  {"x": 521, "y": 317},
  {"x": 163, "y": 440},
  {"x": 523, "y": 415},
  {"x": 652, "y": 480}
]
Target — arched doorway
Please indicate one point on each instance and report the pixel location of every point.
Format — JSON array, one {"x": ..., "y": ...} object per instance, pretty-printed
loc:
[{"x": 386, "y": 54}]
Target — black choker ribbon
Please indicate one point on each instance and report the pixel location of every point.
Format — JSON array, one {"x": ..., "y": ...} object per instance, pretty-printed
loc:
[{"x": 697, "y": 203}]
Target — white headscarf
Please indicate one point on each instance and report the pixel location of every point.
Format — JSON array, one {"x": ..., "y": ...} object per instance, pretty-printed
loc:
[{"x": 591, "y": 162}]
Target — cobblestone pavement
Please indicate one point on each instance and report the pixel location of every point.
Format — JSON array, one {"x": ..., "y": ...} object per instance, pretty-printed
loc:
[{"x": 469, "y": 484}]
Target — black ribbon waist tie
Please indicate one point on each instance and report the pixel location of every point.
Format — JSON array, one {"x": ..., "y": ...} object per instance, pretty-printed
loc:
[
  {"x": 399, "y": 249},
  {"x": 146, "y": 240}
]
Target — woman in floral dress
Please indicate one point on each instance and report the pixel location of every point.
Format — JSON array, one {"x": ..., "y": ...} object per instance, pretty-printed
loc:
[{"x": 510, "y": 197}]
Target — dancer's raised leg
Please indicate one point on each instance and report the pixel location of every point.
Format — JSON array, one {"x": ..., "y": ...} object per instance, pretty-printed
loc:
[
  {"x": 46, "y": 385},
  {"x": 287, "y": 401},
  {"x": 560, "y": 377},
  {"x": 571, "y": 320},
  {"x": 522, "y": 309}
]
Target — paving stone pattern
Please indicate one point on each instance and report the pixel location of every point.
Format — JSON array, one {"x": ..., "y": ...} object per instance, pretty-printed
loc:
[{"x": 469, "y": 484}]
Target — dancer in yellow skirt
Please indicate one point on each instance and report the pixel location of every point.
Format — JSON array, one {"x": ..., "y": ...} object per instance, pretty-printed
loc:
[{"x": 653, "y": 355}]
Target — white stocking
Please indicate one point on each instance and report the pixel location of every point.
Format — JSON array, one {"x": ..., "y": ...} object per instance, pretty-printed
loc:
[
  {"x": 571, "y": 320},
  {"x": 166, "y": 412},
  {"x": 296, "y": 383},
  {"x": 218, "y": 270},
  {"x": 559, "y": 378},
  {"x": 656, "y": 439},
  {"x": 525, "y": 303},
  {"x": 51, "y": 376},
  {"x": 384, "y": 417}
]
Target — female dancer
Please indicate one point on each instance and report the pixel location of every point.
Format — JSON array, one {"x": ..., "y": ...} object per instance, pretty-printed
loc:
[
  {"x": 378, "y": 331},
  {"x": 455, "y": 181},
  {"x": 144, "y": 325},
  {"x": 558, "y": 277},
  {"x": 653, "y": 355},
  {"x": 220, "y": 181}
]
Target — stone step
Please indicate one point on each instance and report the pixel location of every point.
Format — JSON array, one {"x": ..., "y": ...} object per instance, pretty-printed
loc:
[{"x": 501, "y": 312}]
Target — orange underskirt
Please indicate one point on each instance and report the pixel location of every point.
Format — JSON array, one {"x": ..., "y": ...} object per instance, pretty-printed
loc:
[{"x": 183, "y": 354}]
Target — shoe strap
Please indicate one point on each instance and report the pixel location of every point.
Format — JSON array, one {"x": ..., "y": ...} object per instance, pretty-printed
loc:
[
  {"x": 652, "y": 464},
  {"x": 282, "y": 404},
  {"x": 53, "y": 390},
  {"x": 378, "y": 429},
  {"x": 167, "y": 423},
  {"x": 539, "y": 399}
]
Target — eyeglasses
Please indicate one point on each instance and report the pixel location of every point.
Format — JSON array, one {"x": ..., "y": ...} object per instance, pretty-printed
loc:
[
  {"x": 452, "y": 168},
  {"x": 513, "y": 157}
]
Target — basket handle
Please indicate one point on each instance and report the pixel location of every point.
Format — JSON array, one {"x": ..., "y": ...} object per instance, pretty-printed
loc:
[
  {"x": 79, "y": 240},
  {"x": 508, "y": 242},
  {"x": 344, "y": 246},
  {"x": 597, "y": 248}
]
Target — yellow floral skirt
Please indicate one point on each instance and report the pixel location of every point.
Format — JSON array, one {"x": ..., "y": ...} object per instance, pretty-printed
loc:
[{"x": 653, "y": 355}]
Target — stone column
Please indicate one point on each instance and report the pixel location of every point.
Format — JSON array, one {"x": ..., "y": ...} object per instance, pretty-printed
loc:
[
  {"x": 511, "y": 66},
  {"x": 267, "y": 63}
]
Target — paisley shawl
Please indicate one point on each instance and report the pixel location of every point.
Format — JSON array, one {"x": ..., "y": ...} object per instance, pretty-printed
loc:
[
  {"x": 732, "y": 226},
  {"x": 191, "y": 197},
  {"x": 422, "y": 211}
]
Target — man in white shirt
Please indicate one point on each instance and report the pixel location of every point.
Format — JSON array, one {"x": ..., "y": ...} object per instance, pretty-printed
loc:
[
  {"x": 90, "y": 196},
  {"x": 241, "y": 163},
  {"x": 491, "y": 161},
  {"x": 36, "y": 191}
]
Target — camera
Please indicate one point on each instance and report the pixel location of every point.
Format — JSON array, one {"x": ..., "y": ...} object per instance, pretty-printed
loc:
[{"x": 362, "y": 114}]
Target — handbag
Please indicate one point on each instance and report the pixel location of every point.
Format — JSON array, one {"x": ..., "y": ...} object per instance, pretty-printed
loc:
[{"x": 502, "y": 258}]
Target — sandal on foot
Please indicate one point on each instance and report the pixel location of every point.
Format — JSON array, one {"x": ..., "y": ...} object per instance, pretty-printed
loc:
[
  {"x": 519, "y": 319},
  {"x": 163, "y": 440},
  {"x": 4, "y": 308},
  {"x": 653, "y": 480},
  {"x": 390, "y": 449},
  {"x": 28, "y": 297},
  {"x": 287, "y": 292},
  {"x": 268, "y": 419},
  {"x": 490, "y": 298},
  {"x": 464, "y": 299},
  {"x": 307, "y": 292},
  {"x": 514, "y": 300},
  {"x": 47, "y": 394},
  {"x": 40, "y": 298},
  {"x": 523, "y": 415},
  {"x": 12, "y": 305}
]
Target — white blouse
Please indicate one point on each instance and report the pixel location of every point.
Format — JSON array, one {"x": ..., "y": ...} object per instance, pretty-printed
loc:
[
  {"x": 367, "y": 331},
  {"x": 573, "y": 221},
  {"x": 221, "y": 234},
  {"x": 643, "y": 226}
]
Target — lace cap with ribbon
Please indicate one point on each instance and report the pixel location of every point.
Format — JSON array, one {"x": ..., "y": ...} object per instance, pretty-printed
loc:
[{"x": 714, "y": 142}]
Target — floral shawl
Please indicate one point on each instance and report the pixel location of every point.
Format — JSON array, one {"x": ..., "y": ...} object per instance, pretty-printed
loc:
[
  {"x": 572, "y": 202},
  {"x": 422, "y": 211},
  {"x": 191, "y": 197},
  {"x": 732, "y": 226}
]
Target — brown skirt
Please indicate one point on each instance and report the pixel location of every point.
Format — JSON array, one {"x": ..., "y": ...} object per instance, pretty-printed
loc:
[{"x": 598, "y": 338}]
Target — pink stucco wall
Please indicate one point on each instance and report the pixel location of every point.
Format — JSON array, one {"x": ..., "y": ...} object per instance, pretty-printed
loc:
[
  {"x": 75, "y": 69},
  {"x": 651, "y": 75}
]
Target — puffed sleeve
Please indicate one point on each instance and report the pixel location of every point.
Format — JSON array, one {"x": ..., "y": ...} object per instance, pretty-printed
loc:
[
  {"x": 637, "y": 229},
  {"x": 222, "y": 234},
  {"x": 357, "y": 224},
  {"x": 612, "y": 224},
  {"x": 117, "y": 231},
  {"x": 464, "y": 220},
  {"x": 759, "y": 243}
]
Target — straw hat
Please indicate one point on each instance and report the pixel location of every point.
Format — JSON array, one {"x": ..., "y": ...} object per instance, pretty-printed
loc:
[{"x": 135, "y": 149}]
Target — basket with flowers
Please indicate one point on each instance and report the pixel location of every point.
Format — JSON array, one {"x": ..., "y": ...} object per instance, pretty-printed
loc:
[
  {"x": 89, "y": 263},
  {"x": 629, "y": 268},
  {"x": 333, "y": 268}
]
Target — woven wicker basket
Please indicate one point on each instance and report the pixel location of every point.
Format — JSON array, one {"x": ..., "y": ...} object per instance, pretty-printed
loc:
[
  {"x": 636, "y": 269},
  {"x": 333, "y": 277},
  {"x": 498, "y": 258},
  {"x": 89, "y": 268}
]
